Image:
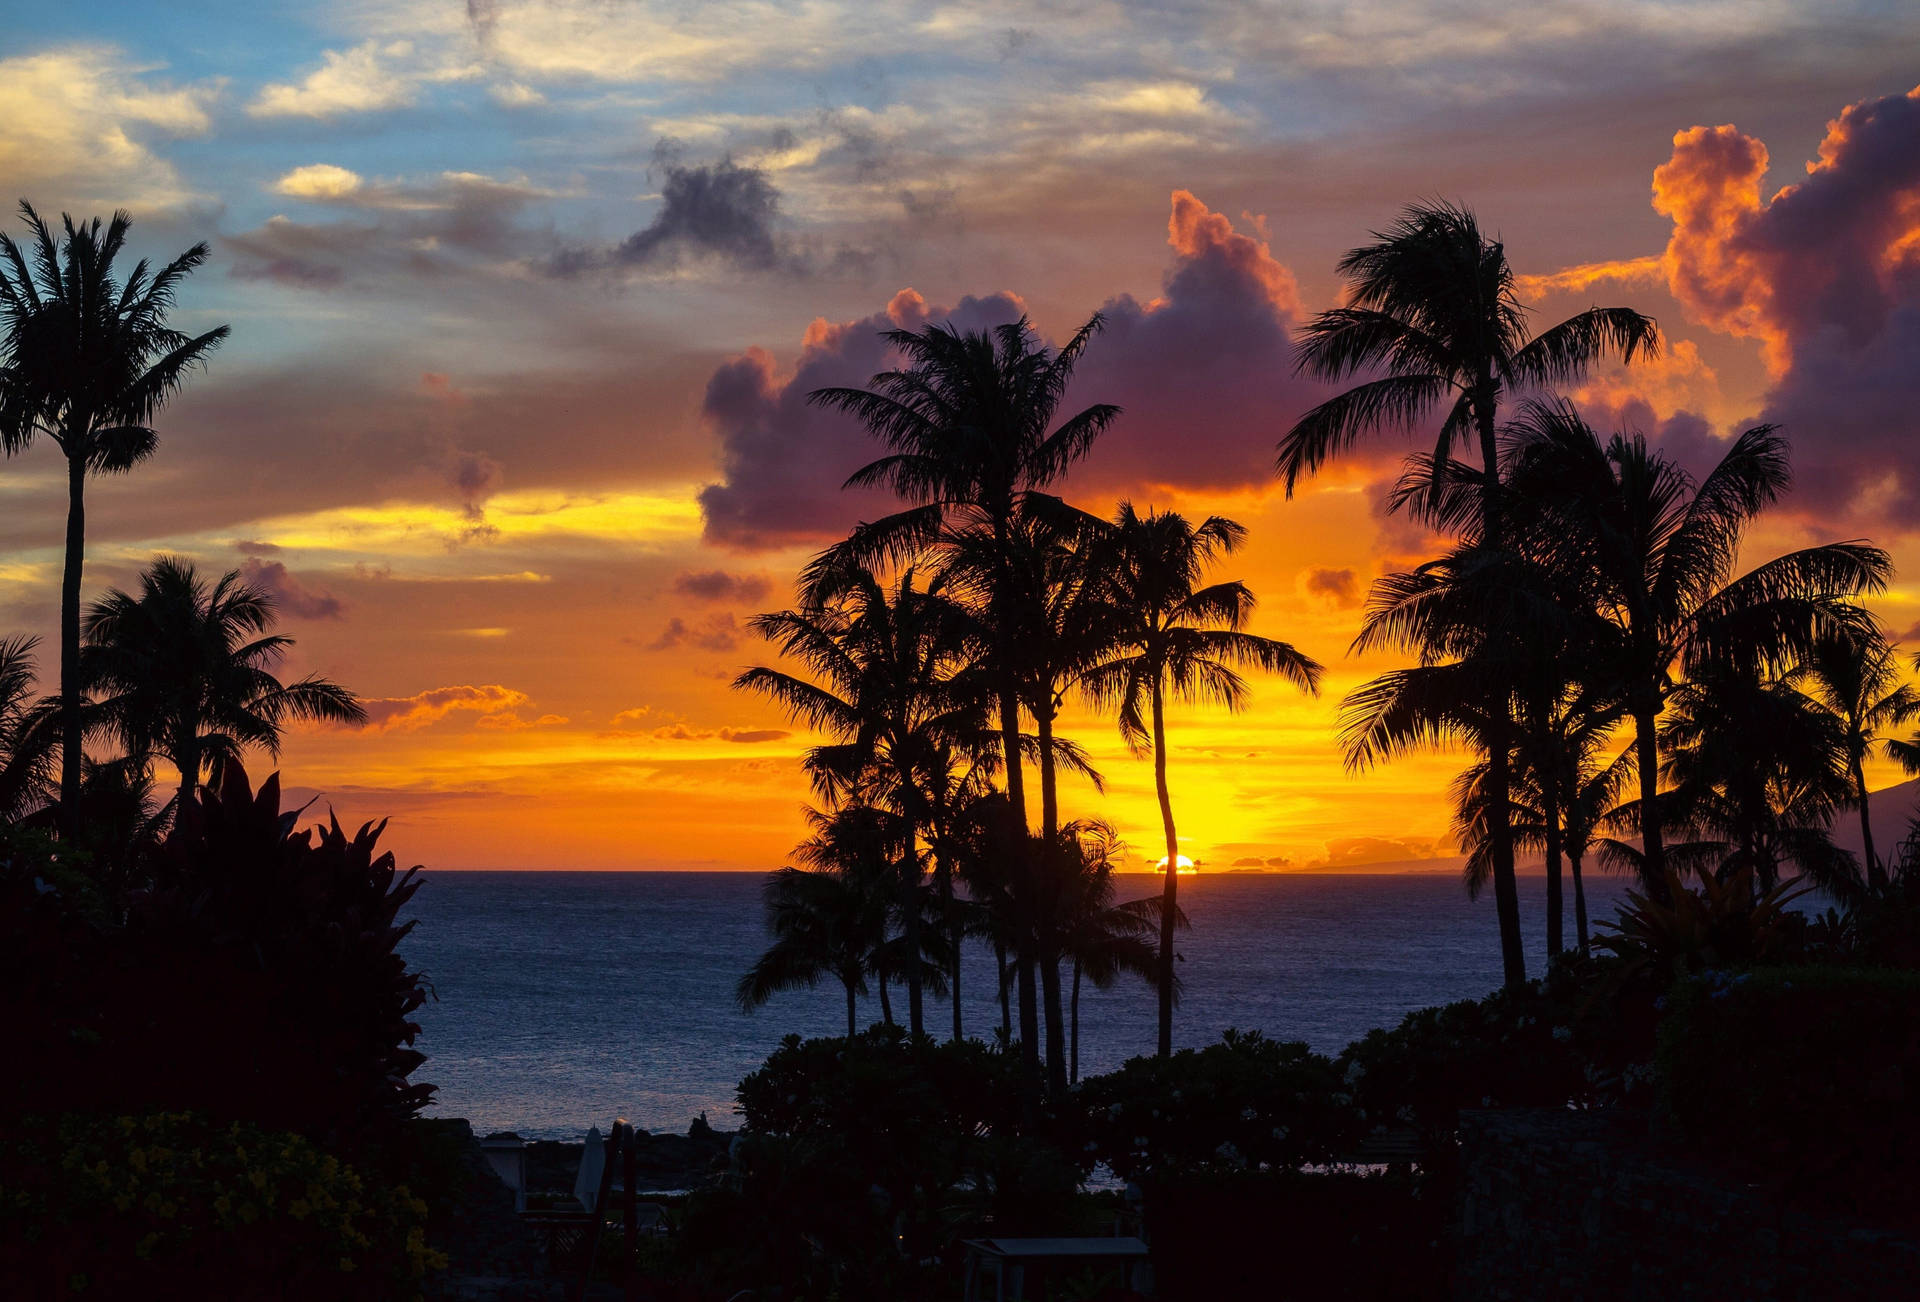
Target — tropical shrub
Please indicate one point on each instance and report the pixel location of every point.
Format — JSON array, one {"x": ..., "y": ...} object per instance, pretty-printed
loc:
[
  {"x": 1245, "y": 1103},
  {"x": 177, "y": 1205},
  {"x": 1806, "y": 1077},
  {"x": 1525, "y": 1046},
  {"x": 862, "y": 1157},
  {"x": 1723, "y": 923},
  {"x": 256, "y": 981}
]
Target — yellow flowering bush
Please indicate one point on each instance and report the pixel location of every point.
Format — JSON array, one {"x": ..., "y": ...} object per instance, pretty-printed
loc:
[{"x": 173, "y": 1204}]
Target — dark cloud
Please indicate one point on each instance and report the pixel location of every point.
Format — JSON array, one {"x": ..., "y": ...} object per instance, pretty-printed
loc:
[
  {"x": 455, "y": 222},
  {"x": 784, "y": 461},
  {"x": 475, "y": 476},
  {"x": 290, "y": 595},
  {"x": 719, "y": 585},
  {"x": 1826, "y": 275},
  {"x": 1204, "y": 373},
  {"x": 1341, "y": 587},
  {"x": 718, "y": 213},
  {"x": 717, "y": 632}
]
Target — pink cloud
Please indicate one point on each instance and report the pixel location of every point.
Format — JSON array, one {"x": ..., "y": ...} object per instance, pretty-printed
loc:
[
  {"x": 1204, "y": 372},
  {"x": 1826, "y": 275}
]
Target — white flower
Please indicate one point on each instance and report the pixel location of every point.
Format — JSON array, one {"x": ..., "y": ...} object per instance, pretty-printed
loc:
[{"x": 1563, "y": 1033}]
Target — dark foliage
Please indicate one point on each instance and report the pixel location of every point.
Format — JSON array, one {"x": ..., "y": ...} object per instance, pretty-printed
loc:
[
  {"x": 1804, "y": 1078},
  {"x": 1332, "y": 1234},
  {"x": 256, "y": 981},
  {"x": 1245, "y": 1103},
  {"x": 864, "y": 1158},
  {"x": 176, "y": 1205}
]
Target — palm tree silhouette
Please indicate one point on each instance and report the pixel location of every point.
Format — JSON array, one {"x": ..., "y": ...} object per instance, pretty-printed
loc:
[
  {"x": 1102, "y": 939},
  {"x": 184, "y": 670},
  {"x": 969, "y": 422},
  {"x": 1175, "y": 637},
  {"x": 823, "y": 924},
  {"x": 1050, "y": 594},
  {"x": 88, "y": 361},
  {"x": 886, "y": 656},
  {"x": 1655, "y": 550},
  {"x": 1432, "y": 316},
  {"x": 1858, "y": 681},
  {"x": 27, "y": 741},
  {"x": 1757, "y": 773}
]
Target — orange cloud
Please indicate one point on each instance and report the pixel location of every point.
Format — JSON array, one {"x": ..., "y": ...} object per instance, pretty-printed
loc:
[
  {"x": 1194, "y": 231},
  {"x": 1711, "y": 190},
  {"x": 422, "y": 708}
]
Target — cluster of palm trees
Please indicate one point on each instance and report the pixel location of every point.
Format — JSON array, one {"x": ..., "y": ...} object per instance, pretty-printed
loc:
[
  {"x": 181, "y": 670},
  {"x": 1586, "y": 635},
  {"x": 937, "y": 647}
]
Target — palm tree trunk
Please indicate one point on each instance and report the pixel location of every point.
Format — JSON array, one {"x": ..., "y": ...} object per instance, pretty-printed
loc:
[
  {"x": 70, "y": 739},
  {"x": 1020, "y": 844},
  {"x": 1579, "y": 903},
  {"x": 886, "y": 1001},
  {"x": 1074, "y": 1073},
  {"x": 944, "y": 870},
  {"x": 1049, "y": 949},
  {"x": 850, "y": 1010},
  {"x": 1876, "y": 873},
  {"x": 1169, "y": 893},
  {"x": 1556, "y": 909},
  {"x": 188, "y": 757},
  {"x": 1506, "y": 890},
  {"x": 1006, "y": 1008},
  {"x": 1653, "y": 851},
  {"x": 910, "y": 872}
]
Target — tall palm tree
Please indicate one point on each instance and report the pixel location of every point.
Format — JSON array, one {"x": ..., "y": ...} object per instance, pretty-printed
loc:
[
  {"x": 970, "y": 424},
  {"x": 823, "y": 924},
  {"x": 1102, "y": 939},
  {"x": 1757, "y": 772},
  {"x": 1656, "y": 551},
  {"x": 1858, "y": 681},
  {"x": 1053, "y": 600},
  {"x": 1175, "y": 636},
  {"x": 27, "y": 741},
  {"x": 884, "y": 655},
  {"x": 88, "y": 361},
  {"x": 184, "y": 670},
  {"x": 1432, "y": 317}
]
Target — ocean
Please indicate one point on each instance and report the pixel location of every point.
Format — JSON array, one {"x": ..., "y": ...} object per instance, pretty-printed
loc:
[{"x": 566, "y": 999}]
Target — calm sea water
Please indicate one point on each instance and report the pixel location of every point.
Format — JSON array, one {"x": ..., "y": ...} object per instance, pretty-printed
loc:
[{"x": 567, "y": 999}]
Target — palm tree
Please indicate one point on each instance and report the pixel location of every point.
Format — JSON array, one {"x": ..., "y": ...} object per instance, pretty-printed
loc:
[
  {"x": 1433, "y": 317},
  {"x": 1655, "y": 551},
  {"x": 823, "y": 924},
  {"x": 885, "y": 655},
  {"x": 26, "y": 733},
  {"x": 969, "y": 422},
  {"x": 1757, "y": 773},
  {"x": 184, "y": 670},
  {"x": 1176, "y": 637},
  {"x": 1857, "y": 681},
  {"x": 1052, "y": 599},
  {"x": 88, "y": 361},
  {"x": 1103, "y": 940}
]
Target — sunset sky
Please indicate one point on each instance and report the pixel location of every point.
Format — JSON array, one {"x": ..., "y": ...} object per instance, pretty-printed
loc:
[{"x": 526, "y": 298}]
